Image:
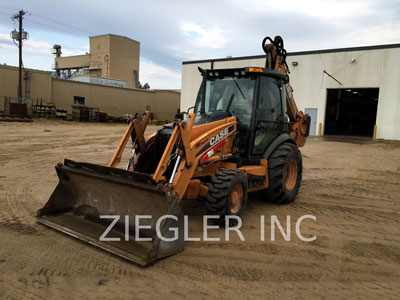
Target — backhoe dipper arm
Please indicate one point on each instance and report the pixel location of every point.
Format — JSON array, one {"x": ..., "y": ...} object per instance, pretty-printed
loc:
[{"x": 276, "y": 59}]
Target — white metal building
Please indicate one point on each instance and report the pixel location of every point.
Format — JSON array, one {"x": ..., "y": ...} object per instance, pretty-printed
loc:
[{"x": 347, "y": 90}]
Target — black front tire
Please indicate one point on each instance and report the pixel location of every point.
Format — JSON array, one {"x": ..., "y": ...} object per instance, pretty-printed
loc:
[
  {"x": 285, "y": 170},
  {"x": 227, "y": 194}
]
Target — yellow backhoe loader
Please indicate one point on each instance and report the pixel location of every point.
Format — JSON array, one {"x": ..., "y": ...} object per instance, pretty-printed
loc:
[{"x": 242, "y": 136}]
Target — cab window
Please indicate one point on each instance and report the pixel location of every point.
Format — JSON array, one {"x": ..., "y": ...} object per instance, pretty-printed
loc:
[{"x": 269, "y": 114}]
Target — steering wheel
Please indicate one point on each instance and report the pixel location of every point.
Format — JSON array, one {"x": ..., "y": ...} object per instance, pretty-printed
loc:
[{"x": 263, "y": 122}]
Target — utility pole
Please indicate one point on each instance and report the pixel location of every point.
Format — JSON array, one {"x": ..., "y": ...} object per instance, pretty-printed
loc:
[
  {"x": 21, "y": 13},
  {"x": 19, "y": 36}
]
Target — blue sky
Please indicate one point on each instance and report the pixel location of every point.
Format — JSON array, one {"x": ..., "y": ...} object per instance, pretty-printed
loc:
[{"x": 174, "y": 31}]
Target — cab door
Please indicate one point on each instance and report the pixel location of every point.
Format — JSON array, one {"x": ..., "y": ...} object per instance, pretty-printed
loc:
[{"x": 269, "y": 117}]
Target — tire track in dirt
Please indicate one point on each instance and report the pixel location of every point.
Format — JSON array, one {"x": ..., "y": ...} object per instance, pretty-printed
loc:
[
  {"x": 373, "y": 250},
  {"x": 17, "y": 216},
  {"x": 11, "y": 219},
  {"x": 355, "y": 254},
  {"x": 342, "y": 189},
  {"x": 250, "y": 262}
]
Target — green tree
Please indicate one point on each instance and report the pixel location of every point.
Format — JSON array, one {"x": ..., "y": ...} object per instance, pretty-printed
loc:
[{"x": 145, "y": 86}]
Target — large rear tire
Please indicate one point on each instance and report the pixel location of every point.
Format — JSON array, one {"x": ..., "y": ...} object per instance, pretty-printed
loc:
[
  {"x": 285, "y": 170},
  {"x": 227, "y": 194}
]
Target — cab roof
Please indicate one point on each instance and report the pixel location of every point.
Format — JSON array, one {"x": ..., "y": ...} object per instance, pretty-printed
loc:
[{"x": 220, "y": 73}]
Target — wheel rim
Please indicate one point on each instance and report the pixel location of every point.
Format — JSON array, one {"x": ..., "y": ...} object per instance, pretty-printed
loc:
[
  {"x": 291, "y": 175},
  {"x": 235, "y": 199}
]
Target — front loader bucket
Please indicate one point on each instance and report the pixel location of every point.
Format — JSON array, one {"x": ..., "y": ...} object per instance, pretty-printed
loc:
[{"x": 90, "y": 197}]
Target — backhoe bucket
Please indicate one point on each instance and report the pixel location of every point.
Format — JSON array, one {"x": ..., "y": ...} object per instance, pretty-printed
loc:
[{"x": 100, "y": 205}]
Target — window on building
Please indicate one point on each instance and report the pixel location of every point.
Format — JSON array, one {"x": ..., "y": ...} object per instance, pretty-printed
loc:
[{"x": 79, "y": 100}]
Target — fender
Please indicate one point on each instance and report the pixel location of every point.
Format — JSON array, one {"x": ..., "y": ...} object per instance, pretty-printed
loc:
[{"x": 284, "y": 137}]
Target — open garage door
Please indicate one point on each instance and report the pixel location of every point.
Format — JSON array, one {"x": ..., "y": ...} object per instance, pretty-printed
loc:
[{"x": 351, "y": 111}]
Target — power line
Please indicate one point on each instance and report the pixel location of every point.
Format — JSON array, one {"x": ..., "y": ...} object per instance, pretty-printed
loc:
[
  {"x": 51, "y": 27},
  {"x": 9, "y": 7},
  {"x": 64, "y": 24},
  {"x": 34, "y": 14},
  {"x": 172, "y": 62}
]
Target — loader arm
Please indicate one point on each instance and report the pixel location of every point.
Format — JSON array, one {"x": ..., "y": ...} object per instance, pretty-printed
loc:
[
  {"x": 194, "y": 145},
  {"x": 276, "y": 59},
  {"x": 135, "y": 129}
]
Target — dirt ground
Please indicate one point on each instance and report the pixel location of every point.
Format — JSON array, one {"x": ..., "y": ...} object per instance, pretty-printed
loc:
[{"x": 353, "y": 190}]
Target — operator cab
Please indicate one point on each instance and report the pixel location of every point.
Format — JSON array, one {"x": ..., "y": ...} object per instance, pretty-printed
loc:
[{"x": 254, "y": 96}]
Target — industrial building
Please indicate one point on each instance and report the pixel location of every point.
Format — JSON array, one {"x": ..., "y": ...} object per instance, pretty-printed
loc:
[
  {"x": 347, "y": 91},
  {"x": 105, "y": 79},
  {"x": 111, "y": 56}
]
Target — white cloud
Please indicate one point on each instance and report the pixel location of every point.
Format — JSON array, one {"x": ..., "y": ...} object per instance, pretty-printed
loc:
[
  {"x": 36, "y": 53},
  {"x": 213, "y": 37},
  {"x": 30, "y": 46},
  {"x": 331, "y": 9},
  {"x": 374, "y": 35},
  {"x": 157, "y": 76},
  {"x": 187, "y": 52},
  {"x": 5, "y": 42}
]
